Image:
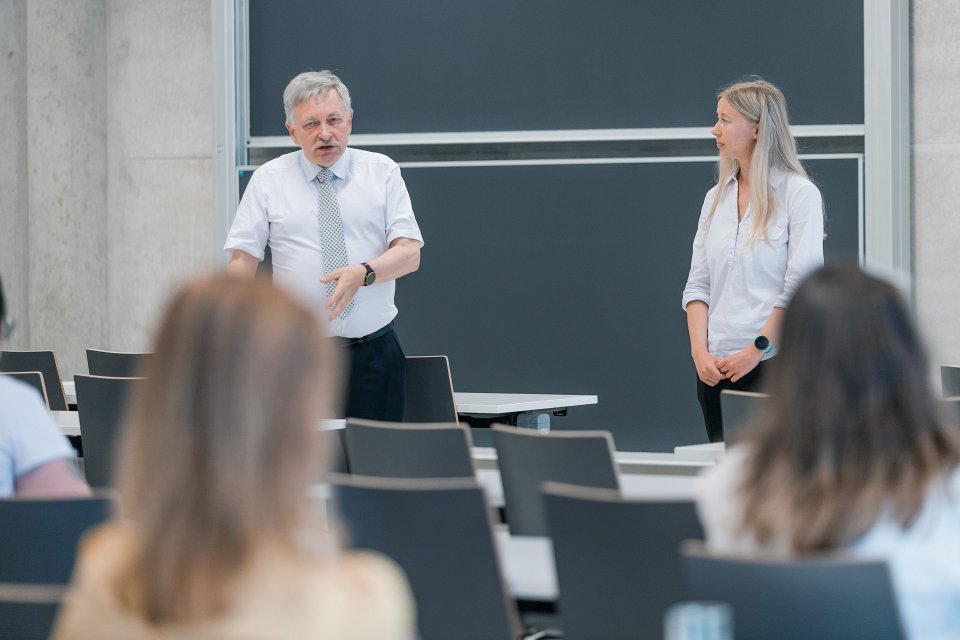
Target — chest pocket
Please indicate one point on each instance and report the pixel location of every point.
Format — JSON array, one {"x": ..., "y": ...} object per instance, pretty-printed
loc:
[{"x": 770, "y": 254}]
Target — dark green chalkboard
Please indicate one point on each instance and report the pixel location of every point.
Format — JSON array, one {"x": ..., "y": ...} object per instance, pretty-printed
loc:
[{"x": 454, "y": 65}]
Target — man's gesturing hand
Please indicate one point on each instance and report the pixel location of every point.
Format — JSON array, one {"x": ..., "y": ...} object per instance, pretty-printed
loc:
[{"x": 348, "y": 281}]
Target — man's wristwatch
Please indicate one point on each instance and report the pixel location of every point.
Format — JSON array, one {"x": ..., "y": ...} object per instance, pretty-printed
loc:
[
  {"x": 763, "y": 343},
  {"x": 370, "y": 277}
]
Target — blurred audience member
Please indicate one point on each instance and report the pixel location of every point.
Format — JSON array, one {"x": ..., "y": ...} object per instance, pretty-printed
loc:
[
  {"x": 217, "y": 538},
  {"x": 852, "y": 453},
  {"x": 35, "y": 458}
]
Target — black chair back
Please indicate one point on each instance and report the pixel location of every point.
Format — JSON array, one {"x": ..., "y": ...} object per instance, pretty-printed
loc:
[
  {"x": 44, "y": 362},
  {"x": 950, "y": 380},
  {"x": 27, "y": 612},
  {"x": 737, "y": 409},
  {"x": 951, "y": 409},
  {"x": 618, "y": 560},
  {"x": 439, "y": 532},
  {"x": 528, "y": 458},
  {"x": 38, "y": 537},
  {"x": 32, "y": 378},
  {"x": 836, "y": 598},
  {"x": 101, "y": 403},
  {"x": 334, "y": 443},
  {"x": 115, "y": 364},
  {"x": 428, "y": 393},
  {"x": 390, "y": 450}
]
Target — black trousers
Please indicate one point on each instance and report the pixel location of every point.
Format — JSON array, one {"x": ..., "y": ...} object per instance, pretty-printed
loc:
[
  {"x": 377, "y": 370},
  {"x": 709, "y": 398}
]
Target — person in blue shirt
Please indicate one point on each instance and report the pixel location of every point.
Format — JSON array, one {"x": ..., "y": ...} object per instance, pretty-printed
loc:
[{"x": 35, "y": 458}]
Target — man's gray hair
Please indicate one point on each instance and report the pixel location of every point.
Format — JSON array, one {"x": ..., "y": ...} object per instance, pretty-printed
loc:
[{"x": 310, "y": 84}]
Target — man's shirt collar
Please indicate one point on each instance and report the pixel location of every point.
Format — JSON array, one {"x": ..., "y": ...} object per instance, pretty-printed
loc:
[{"x": 340, "y": 168}]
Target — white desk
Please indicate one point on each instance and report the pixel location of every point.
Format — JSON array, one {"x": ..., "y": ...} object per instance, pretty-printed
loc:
[
  {"x": 69, "y": 422},
  {"x": 629, "y": 462},
  {"x": 528, "y": 566},
  {"x": 708, "y": 451},
  {"x": 531, "y": 410},
  {"x": 522, "y": 409},
  {"x": 642, "y": 474},
  {"x": 638, "y": 486}
]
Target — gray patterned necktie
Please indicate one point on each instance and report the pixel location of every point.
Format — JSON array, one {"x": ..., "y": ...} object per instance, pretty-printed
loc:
[{"x": 331, "y": 231}]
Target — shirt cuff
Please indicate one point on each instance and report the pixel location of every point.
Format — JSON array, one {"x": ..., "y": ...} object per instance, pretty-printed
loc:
[
  {"x": 690, "y": 297},
  {"x": 253, "y": 250}
]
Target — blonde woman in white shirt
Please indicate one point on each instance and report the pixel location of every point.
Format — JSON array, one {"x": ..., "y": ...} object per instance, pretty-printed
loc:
[{"x": 760, "y": 232}]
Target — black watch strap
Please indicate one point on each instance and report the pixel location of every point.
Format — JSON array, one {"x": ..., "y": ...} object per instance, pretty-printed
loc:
[{"x": 370, "y": 276}]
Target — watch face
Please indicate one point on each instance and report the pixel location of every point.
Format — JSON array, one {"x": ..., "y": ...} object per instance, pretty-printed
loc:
[
  {"x": 762, "y": 343},
  {"x": 370, "y": 276}
]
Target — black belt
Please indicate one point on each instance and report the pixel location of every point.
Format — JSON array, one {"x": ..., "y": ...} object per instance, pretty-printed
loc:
[{"x": 351, "y": 342}]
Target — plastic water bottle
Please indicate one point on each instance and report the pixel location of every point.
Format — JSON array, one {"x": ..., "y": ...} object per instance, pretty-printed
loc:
[{"x": 698, "y": 621}]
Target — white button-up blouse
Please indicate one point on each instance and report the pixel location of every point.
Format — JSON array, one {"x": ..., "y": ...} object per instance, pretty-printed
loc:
[{"x": 742, "y": 282}]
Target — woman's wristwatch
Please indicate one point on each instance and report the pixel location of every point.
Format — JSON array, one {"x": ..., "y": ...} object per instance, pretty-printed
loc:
[{"x": 763, "y": 343}]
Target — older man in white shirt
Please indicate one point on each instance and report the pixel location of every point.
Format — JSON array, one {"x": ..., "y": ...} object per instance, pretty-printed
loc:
[{"x": 341, "y": 230}]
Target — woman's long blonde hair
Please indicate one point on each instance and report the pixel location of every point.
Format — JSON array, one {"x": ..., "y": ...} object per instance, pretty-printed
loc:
[
  {"x": 220, "y": 445},
  {"x": 762, "y": 104}
]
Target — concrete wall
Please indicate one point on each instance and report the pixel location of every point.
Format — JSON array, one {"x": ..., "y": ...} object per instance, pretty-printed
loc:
[
  {"x": 105, "y": 196},
  {"x": 935, "y": 79},
  {"x": 160, "y": 159},
  {"x": 67, "y": 175},
  {"x": 14, "y": 227}
]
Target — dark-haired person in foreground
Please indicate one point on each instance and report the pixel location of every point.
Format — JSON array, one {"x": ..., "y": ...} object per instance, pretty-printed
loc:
[
  {"x": 852, "y": 453},
  {"x": 35, "y": 458},
  {"x": 217, "y": 537}
]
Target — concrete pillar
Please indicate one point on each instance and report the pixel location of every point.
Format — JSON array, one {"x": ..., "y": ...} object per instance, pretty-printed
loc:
[
  {"x": 160, "y": 149},
  {"x": 14, "y": 225},
  {"x": 936, "y": 173},
  {"x": 66, "y": 181}
]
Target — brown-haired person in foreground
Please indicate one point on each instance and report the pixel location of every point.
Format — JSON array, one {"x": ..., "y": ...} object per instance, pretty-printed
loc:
[
  {"x": 851, "y": 453},
  {"x": 216, "y": 538}
]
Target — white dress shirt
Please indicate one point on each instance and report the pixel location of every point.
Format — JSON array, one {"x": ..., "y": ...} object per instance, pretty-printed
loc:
[
  {"x": 742, "y": 283},
  {"x": 924, "y": 560},
  {"x": 279, "y": 207},
  {"x": 28, "y": 435}
]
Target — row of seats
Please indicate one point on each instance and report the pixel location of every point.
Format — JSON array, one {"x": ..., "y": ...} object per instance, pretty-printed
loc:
[
  {"x": 38, "y": 541},
  {"x": 618, "y": 562},
  {"x": 40, "y": 370},
  {"x": 618, "y": 559},
  {"x": 526, "y": 459},
  {"x": 102, "y": 396},
  {"x": 617, "y": 576}
]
